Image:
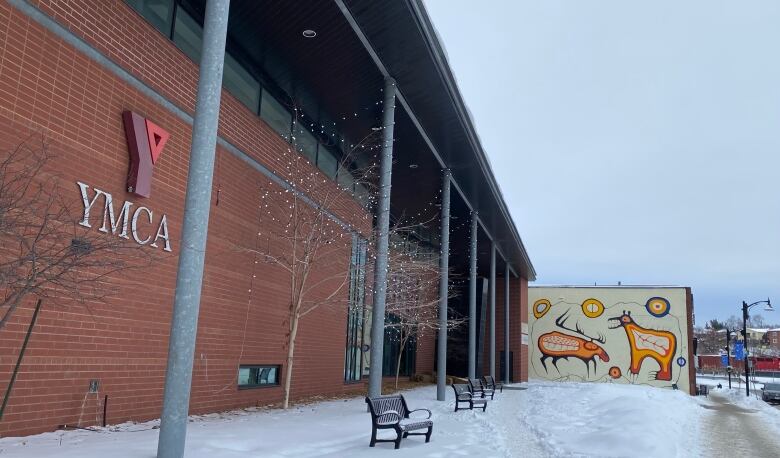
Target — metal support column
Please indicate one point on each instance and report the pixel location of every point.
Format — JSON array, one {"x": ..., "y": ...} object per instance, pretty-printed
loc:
[
  {"x": 473, "y": 296},
  {"x": 383, "y": 229},
  {"x": 444, "y": 266},
  {"x": 492, "y": 371},
  {"x": 197, "y": 203},
  {"x": 507, "y": 359},
  {"x": 745, "y": 317}
]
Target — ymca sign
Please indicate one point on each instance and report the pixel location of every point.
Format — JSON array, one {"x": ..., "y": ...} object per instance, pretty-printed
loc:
[
  {"x": 122, "y": 224},
  {"x": 145, "y": 142}
]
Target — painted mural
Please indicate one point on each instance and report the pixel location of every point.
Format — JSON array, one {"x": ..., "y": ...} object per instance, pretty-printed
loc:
[{"x": 636, "y": 335}]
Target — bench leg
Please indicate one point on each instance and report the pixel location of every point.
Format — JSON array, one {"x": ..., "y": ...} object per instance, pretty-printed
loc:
[
  {"x": 484, "y": 406},
  {"x": 373, "y": 437},
  {"x": 428, "y": 434},
  {"x": 398, "y": 439}
]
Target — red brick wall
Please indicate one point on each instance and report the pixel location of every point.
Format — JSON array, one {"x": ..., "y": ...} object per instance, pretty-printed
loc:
[
  {"x": 518, "y": 310},
  {"x": 49, "y": 88},
  {"x": 691, "y": 366},
  {"x": 522, "y": 368}
]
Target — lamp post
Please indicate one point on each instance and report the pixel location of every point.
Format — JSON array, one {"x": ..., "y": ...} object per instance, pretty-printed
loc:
[
  {"x": 745, "y": 308},
  {"x": 728, "y": 355}
]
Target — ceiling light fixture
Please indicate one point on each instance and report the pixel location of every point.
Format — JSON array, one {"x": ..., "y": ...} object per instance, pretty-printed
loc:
[
  {"x": 413, "y": 166},
  {"x": 308, "y": 33}
]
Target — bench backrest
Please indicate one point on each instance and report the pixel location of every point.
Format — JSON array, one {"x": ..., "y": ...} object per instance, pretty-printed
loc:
[
  {"x": 461, "y": 389},
  {"x": 380, "y": 405},
  {"x": 489, "y": 381},
  {"x": 476, "y": 384}
]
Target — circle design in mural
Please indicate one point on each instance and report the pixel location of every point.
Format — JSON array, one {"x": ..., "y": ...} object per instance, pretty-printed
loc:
[
  {"x": 541, "y": 307},
  {"x": 681, "y": 361},
  {"x": 615, "y": 372},
  {"x": 592, "y": 308},
  {"x": 658, "y": 307}
]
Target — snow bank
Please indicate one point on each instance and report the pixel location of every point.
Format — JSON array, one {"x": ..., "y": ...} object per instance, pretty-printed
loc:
[{"x": 613, "y": 420}]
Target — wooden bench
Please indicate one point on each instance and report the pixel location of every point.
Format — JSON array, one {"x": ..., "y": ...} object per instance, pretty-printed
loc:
[
  {"x": 464, "y": 394},
  {"x": 479, "y": 388},
  {"x": 391, "y": 412},
  {"x": 490, "y": 382}
]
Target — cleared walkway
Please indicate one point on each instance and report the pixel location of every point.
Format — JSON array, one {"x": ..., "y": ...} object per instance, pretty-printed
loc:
[{"x": 734, "y": 431}]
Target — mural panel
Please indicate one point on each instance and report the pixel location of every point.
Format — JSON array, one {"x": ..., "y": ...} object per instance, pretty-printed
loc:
[{"x": 636, "y": 335}]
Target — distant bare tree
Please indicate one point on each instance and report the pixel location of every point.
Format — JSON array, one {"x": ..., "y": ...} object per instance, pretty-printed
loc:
[{"x": 44, "y": 253}]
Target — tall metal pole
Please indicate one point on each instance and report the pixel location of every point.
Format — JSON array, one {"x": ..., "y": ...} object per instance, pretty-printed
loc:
[
  {"x": 747, "y": 355},
  {"x": 492, "y": 371},
  {"x": 506, "y": 325},
  {"x": 473, "y": 296},
  {"x": 197, "y": 203},
  {"x": 444, "y": 266},
  {"x": 728, "y": 355},
  {"x": 383, "y": 229}
]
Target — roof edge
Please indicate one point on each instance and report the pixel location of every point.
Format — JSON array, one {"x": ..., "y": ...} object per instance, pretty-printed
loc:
[{"x": 442, "y": 64}]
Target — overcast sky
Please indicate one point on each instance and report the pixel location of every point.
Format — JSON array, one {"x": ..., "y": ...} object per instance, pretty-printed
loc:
[{"x": 634, "y": 141}]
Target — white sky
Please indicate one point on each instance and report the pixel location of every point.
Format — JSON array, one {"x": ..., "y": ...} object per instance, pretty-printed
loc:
[{"x": 634, "y": 141}]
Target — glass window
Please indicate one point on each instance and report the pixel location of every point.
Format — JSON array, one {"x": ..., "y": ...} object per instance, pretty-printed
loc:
[
  {"x": 353, "y": 361},
  {"x": 345, "y": 178},
  {"x": 254, "y": 376},
  {"x": 158, "y": 12},
  {"x": 305, "y": 142},
  {"x": 276, "y": 115},
  {"x": 362, "y": 195},
  {"x": 188, "y": 35},
  {"x": 327, "y": 162},
  {"x": 240, "y": 83}
]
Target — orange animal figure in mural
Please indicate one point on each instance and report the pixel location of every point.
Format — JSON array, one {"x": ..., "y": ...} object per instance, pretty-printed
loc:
[
  {"x": 557, "y": 345},
  {"x": 648, "y": 343}
]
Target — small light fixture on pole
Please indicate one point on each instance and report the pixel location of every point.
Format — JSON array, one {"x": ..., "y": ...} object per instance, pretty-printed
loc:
[{"x": 745, "y": 308}]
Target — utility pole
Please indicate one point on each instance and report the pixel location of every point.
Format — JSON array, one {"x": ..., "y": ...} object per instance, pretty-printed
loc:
[
  {"x": 745, "y": 339},
  {"x": 728, "y": 355},
  {"x": 195, "y": 224}
]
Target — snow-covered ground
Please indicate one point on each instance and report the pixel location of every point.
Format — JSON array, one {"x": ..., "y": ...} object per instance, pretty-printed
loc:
[{"x": 547, "y": 419}]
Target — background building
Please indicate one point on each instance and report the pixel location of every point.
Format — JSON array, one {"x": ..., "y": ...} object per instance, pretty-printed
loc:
[{"x": 302, "y": 79}]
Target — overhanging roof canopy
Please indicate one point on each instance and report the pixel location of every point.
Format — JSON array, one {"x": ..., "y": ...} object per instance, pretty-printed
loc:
[
  {"x": 403, "y": 38},
  {"x": 358, "y": 43}
]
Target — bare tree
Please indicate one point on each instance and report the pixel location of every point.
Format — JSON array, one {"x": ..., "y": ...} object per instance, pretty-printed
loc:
[
  {"x": 308, "y": 232},
  {"x": 44, "y": 253},
  {"x": 412, "y": 304}
]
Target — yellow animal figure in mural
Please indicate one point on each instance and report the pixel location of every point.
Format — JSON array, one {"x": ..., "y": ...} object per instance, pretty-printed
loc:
[{"x": 648, "y": 343}]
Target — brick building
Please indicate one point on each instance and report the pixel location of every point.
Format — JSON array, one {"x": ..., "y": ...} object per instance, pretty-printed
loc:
[{"x": 301, "y": 79}]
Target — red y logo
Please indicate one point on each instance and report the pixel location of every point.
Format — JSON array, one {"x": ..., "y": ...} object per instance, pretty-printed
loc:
[{"x": 145, "y": 141}]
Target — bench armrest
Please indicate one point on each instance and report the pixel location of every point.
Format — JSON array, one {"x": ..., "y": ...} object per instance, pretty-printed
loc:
[
  {"x": 420, "y": 410},
  {"x": 391, "y": 422},
  {"x": 466, "y": 394}
]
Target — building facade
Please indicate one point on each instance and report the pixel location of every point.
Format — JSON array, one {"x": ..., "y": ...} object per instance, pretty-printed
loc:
[
  {"x": 621, "y": 334},
  {"x": 101, "y": 87}
]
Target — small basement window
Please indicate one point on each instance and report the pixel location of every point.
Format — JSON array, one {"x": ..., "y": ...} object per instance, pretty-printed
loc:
[{"x": 257, "y": 376}]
